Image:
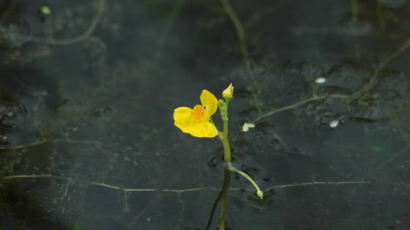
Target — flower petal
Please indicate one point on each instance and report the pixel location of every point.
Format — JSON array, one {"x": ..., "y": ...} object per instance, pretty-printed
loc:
[
  {"x": 209, "y": 101},
  {"x": 202, "y": 129},
  {"x": 182, "y": 117}
]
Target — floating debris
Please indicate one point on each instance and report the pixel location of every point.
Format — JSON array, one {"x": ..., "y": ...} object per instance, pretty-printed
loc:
[
  {"x": 45, "y": 10},
  {"x": 333, "y": 124},
  {"x": 320, "y": 80},
  {"x": 246, "y": 126}
]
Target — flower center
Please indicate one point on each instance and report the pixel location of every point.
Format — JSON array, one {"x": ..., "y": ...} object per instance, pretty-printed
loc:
[{"x": 198, "y": 112}]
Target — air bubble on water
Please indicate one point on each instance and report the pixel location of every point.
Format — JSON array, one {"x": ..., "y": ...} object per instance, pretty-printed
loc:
[
  {"x": 320, "y": 80},
  {"x": 333, "y": 124}
]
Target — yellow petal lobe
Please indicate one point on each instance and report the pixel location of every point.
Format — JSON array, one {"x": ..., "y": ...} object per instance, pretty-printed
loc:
[
  {"x": 209, "y": 101},
  {"x": 202, "y": 129},
  {"x": 182, "y": 117}
]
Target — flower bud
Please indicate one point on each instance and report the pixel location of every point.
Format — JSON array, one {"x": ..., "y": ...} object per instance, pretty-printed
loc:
[{"x": 228, "y": 92}]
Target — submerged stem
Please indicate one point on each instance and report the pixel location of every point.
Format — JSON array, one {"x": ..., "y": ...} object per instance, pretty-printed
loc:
[
  {"x": 300, "y": 103},
  {"x": 224, "y": 195},
  {"x": 239, "y": 28}
]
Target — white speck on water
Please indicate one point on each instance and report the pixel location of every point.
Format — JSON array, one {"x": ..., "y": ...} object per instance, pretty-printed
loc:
[
  {"x": 333, "y": 124},
  {"x": 320, "y": 80},
  {"x": 246, "y": 126}
]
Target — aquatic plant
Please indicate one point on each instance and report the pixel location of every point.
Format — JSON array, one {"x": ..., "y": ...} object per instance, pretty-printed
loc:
[{"x": 198, "y": 122}]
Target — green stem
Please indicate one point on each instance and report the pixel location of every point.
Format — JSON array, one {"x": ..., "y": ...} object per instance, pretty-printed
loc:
[
  {"x": 224, "y": 211},
  {"x": 223, "y": 136},
  {"x": 259, "y": 192}
]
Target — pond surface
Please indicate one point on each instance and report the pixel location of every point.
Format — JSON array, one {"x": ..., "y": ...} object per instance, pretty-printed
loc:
[{"x": 88, "y": 89}]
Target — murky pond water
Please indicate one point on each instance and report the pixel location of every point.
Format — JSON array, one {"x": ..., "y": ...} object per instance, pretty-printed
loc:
[{"x": 88, "y": 89}]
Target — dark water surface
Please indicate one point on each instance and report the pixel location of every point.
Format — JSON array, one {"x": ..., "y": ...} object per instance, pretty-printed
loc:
[{"x": 87, "y": 93}]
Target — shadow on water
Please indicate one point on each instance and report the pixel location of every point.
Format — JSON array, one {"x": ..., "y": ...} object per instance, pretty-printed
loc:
[{"x": 87, "y": 91}]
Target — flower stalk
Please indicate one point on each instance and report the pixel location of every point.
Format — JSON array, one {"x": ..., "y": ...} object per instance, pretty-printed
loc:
[{"x": 224, "y": 135}]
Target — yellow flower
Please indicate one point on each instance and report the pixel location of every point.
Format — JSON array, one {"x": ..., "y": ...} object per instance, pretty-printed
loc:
[{"x": 196, "y": 121}]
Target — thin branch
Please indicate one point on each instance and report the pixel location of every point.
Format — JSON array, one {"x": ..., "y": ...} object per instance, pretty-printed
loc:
[
  {"x": 165, "y": 190},
  {"x": 239, "y": 28},
  {"x": 43, "y": 141},
  {"x": 392, "y": 56},
  {"x": 28, "y": 145},
  {"x": 300, "y": 103},
  {"x": 372, "y": 81},
  {"x": 317, "y": 183}
]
